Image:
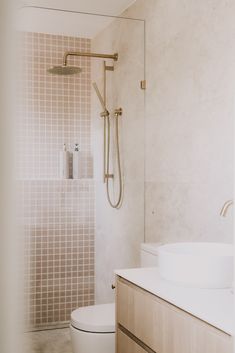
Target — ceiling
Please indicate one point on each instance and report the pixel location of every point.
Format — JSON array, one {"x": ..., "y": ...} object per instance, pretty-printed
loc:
[
  {"x": 68, "y": 23},
  {"x": 103, "y": 7}
]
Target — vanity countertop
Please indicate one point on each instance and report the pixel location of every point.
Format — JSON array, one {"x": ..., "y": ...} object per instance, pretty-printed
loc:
[{"x": 214, "y": 306}]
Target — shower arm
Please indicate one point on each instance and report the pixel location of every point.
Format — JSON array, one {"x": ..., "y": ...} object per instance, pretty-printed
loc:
[{"x": 88, "y": 55}]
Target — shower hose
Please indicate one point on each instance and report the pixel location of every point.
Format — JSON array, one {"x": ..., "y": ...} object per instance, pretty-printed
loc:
[{"x": 113, "y": 204}]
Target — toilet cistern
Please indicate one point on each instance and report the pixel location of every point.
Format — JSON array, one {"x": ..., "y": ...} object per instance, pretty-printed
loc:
[{"x": 225, "y": 207}]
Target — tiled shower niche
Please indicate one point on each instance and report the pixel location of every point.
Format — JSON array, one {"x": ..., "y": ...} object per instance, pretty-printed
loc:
[{"x": 56, "y": 216}]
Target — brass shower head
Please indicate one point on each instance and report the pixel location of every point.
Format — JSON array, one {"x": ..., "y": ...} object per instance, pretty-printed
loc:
[
  {"x": 64, "y": 70},
  {"x": 72, "y": 70}
]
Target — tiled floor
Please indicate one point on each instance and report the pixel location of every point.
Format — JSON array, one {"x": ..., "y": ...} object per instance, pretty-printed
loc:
[{"x": 50, "y": 341}]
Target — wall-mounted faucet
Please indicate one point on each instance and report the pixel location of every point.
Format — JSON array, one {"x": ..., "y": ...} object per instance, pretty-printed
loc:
[{"x": 225, "y": 207}]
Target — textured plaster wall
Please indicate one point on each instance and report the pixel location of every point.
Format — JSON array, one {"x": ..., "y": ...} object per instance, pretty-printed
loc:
[{"x": 190, "y": 65}]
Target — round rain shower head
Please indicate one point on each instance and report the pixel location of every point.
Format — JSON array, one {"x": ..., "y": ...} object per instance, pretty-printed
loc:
[{"x": 64, "y": 70}]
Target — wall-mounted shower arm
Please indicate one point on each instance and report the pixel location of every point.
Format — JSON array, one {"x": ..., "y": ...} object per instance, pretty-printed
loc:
[{"x": 89, "y": 55}]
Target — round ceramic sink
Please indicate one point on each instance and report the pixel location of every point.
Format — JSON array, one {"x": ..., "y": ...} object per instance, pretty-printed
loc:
[{"x": 202, "y": 265}]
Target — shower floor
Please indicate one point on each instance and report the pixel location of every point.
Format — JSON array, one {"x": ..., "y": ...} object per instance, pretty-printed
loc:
[{"x": 49, "y": 341}]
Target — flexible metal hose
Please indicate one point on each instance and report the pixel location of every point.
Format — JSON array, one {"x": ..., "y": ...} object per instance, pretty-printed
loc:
[{"x": 116, "y": 204}]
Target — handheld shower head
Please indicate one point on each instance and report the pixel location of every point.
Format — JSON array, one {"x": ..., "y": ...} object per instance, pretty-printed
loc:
[{"x": 105, "y": 113}]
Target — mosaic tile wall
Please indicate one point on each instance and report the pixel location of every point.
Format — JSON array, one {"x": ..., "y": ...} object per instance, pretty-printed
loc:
[{"x": 56, "y": 216}]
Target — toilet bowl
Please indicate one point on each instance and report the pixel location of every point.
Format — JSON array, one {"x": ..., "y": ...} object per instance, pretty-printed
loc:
[{"x": 92, "y": 329}]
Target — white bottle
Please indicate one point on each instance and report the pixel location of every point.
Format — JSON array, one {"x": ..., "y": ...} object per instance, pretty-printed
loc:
[
  {"x": 64, "y": 163},
  {"x": 76, "y": 163}
]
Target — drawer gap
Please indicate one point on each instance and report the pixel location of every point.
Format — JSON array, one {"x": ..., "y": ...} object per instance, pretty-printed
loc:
[{"x": 135, "y": 339}]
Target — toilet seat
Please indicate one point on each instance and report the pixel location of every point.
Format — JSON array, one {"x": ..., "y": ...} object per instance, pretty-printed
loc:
[{"x": 94, "y": 318}]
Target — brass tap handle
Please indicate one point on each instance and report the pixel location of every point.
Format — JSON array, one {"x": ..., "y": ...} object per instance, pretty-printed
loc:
[
  {"x": 118, "y": 112},
  {"x": 113, "y": 286}
]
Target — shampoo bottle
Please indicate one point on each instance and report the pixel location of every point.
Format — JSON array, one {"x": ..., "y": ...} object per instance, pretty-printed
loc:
[
  {"x": 76, "y": 162},
  {"x": 64, "y": 163}
]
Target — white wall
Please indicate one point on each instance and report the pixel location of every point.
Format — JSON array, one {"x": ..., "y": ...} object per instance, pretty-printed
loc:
[
  {"x": 190, "y": 62},
  {"x": 190, "y": 66}
]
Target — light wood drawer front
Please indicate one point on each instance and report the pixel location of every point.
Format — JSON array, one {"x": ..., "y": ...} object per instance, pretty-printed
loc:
[
  {"x": 163, "y": 327},
  {"x": 126, "y": 345}
]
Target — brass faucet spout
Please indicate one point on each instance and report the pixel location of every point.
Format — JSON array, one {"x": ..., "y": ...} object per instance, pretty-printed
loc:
[{"x": 225, "y": 207}]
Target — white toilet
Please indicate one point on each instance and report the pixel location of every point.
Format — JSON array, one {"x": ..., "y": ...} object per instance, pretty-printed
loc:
[{"x": 93, "y": 327}]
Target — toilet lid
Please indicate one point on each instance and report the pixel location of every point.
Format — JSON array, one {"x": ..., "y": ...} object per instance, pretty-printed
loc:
[{"x": 94, "y": 318}]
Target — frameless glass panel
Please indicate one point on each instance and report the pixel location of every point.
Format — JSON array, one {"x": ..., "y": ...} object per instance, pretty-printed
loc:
[{"x": 74, "y": 237}]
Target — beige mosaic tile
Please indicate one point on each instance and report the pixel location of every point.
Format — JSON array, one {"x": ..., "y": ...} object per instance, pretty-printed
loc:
[{"x": 56, "y": 216}]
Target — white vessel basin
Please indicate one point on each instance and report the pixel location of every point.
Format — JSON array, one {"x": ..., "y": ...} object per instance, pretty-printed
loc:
[{"x": 202, "y": 265}]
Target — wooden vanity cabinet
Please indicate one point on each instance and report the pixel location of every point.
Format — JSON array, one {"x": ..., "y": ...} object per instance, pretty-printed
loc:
[{"x": 146, "y": 323}]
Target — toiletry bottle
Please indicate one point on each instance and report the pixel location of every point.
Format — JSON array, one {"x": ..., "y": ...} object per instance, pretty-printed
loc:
[
  {"x": 64, "y": 163},
  {"x": 76, "y": 162}
]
